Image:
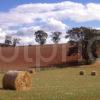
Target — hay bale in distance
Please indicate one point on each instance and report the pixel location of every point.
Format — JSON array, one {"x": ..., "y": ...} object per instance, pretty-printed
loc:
[
  {"x": 93, "y": 73},
  {"x": 17, "y": 80},
  {"x": 32, "y": 71},
  {"x": 82, "y": 72}
]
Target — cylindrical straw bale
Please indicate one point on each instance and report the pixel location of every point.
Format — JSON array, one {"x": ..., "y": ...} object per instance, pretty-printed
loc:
[
  {"x": 82, "y": 72},
  {"x": 17, "y": 80}
]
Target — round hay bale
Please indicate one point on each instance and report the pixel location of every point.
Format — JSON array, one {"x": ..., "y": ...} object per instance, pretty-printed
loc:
[
  {"x": 93, "y": 73},
  {"x": 17, "y": 80},
  {"x": 82, "y": 72},
  {"x": 32, "y": 71}
]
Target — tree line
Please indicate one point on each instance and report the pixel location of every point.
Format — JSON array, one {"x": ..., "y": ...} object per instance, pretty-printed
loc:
[
  {"x": 77, "y": 34},
  {"x": 80, "y": 39},
  {"x": 40, "y": 37}
]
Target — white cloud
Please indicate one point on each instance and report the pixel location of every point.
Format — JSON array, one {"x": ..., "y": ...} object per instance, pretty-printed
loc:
[
  {"x": 28, "y": 18},
  {"x": 29, "y": 13},
  {"x": 52, "y": 24},
  {"x": 2, "y": 35}
]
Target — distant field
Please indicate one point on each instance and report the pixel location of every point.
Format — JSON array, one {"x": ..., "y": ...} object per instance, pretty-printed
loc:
[{"x": 59, "y": 84}]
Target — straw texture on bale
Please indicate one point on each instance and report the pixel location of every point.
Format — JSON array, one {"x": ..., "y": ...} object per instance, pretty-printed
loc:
[{"x": 17, "y": 80}]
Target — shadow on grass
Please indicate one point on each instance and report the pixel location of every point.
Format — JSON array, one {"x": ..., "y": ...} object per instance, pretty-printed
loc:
[{"x": 2, "y": 89}]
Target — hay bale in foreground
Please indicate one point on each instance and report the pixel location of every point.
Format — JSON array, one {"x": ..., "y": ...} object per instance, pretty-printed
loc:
[
  {"x": 82, "y": 72},
  {"x": 93, "y": 73},
  {"x": 17, "y": 80}
]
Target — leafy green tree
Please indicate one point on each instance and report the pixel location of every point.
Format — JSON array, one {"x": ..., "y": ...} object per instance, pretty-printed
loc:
[
  {"x": 95, "y": 46},
  {"x": 73, "y": 48},
  {"x": 41, "y": 36},
  {"x": 82, "y": 35},
  {"x": 15, "y": 41},
  {"x": 8, "y": 40},
  {"x": 56, "y": 37}
]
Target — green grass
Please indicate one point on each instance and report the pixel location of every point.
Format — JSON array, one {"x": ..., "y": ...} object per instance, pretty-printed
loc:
[{"x": 59, "y": 84}]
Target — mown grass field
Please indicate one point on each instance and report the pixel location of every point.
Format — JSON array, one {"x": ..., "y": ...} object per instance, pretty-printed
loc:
[{"x": 59, "y": 84}]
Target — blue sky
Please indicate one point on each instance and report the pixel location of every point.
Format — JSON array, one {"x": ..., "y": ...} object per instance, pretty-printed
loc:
[
  {"x": 5, "y": 5},
  {"x": 23, "y": 17}
]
